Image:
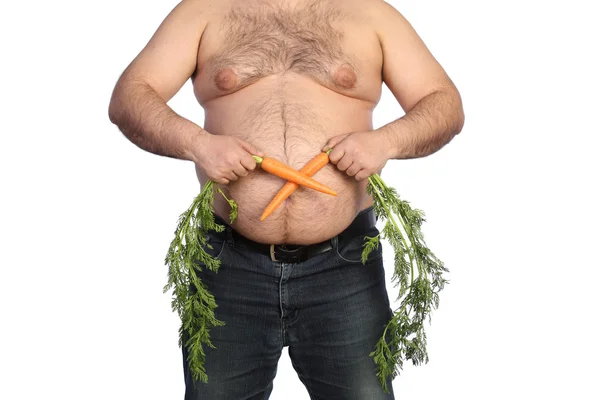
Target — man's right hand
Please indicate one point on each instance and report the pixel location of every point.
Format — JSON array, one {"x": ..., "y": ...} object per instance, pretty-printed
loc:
[{"x": 224, "y": 158}]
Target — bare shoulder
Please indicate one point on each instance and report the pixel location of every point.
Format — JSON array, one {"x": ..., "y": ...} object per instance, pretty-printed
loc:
[
  {"x": 169, "y": 57},
  {"x": 374, "y": 10},
  {"x": 383, "y": 14},
  {"x": 197, "y": 7},
  {"x": 380, "y": 15},
  {"x": 409, "y": 69}
]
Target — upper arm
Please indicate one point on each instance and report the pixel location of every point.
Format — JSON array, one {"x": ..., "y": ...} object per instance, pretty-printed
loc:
[
  {"x": 409, "y": 69},
  {"x": 169, "y": 58}
]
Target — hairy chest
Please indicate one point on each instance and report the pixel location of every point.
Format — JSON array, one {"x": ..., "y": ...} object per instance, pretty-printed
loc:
[{"x": 314, "y": 39}]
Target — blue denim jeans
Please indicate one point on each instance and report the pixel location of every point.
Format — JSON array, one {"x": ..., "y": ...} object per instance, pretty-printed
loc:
[{"x": 329, "y": 310}]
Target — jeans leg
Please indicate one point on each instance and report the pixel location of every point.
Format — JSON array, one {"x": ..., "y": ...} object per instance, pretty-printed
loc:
[
  {"x": 248, "y": 346},
  {"x": 343, "y": 309}
]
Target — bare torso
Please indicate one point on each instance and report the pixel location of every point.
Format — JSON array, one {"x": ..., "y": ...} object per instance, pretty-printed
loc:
[{"x": 286, "y": 76}]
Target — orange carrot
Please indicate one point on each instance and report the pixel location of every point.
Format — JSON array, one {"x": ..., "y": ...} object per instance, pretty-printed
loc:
[
  {"x": 290, "y": 174},
  {"x": 311, "y": 168}
]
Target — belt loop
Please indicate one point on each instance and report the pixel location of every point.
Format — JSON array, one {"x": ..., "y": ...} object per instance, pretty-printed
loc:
[
  {"x": 334, "y": 242},
  {"x": 272, "y": 253}
]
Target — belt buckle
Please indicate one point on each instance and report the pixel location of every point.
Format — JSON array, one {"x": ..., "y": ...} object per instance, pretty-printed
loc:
[
  {"x": 289, "y": 254},
  {"x": 272, "y": 252}
]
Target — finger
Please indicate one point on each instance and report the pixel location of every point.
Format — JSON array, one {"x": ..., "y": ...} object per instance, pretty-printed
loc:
[
  {"x": 251, "y": 149},
  {"x": 222, "y": 181},
  {"x": 336, "y": 154},
  {"x": 344, "y": 163},
  {"x": 248, "y": 162},
  {"x": 334, "y": 141},
  {"x": 230, "y": 175},
  {"x": 353, "y": 169},
  {"x": 239, "y": 170},
  {"x": 361, "y": 175}
]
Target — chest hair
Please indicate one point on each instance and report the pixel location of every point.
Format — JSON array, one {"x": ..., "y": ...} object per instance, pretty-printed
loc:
[{"x": 260, "y": 39}]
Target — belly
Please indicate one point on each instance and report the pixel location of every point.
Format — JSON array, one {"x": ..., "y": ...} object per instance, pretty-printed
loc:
[{"x": 290, "y": 117}]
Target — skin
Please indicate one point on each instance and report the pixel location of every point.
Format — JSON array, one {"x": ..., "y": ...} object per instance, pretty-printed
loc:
[{"x": 287, "y": 79}]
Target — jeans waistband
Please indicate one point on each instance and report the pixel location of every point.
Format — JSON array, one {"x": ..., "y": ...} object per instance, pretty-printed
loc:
[{"x": 289, "y": 253}]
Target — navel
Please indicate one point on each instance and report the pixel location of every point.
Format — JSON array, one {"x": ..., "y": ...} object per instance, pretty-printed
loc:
[
  {"x": 226, "y": 79},
  {"x": 345, "y": 77}
]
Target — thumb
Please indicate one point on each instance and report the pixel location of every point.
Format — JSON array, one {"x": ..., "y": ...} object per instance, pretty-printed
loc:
[
  {"x": 334, "y": 141},
  {"x": 251, "y": 149}
]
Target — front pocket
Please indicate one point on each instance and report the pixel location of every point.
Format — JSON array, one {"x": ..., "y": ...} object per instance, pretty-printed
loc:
[
  {"x": 215, "y": 244},
  {"x": 216, "y": 250},
  {"x": 351, "y": 249}
]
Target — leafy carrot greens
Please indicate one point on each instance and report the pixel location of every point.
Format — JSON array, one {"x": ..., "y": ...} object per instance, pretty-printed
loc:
[
  {"x": 416, "y": 269},
  {"x": 418, "y": 272},
  {"x": 196, "y": 310}
]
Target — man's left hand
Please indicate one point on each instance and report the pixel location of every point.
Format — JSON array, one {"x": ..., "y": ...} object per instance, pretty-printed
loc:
[{"x": 359, "y": 154}]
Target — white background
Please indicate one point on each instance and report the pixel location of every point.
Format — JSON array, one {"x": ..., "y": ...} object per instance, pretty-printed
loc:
[{"x": 511, "y": 203}]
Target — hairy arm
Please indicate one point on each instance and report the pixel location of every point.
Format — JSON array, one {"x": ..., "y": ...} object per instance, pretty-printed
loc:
[
  {"x": 138, "y": 105},
  {"x": 148, "y": 122},
  {"x": 433, "y": 107}
]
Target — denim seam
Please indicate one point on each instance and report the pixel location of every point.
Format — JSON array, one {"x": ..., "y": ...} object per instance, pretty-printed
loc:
[
  {"x": 221, "y": 252},
  {"x": 281, "y": 305}
]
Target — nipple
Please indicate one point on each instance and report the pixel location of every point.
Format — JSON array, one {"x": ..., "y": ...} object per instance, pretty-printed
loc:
[
  {"x": 226, "y": 79},
  {"x": 345, "y": 77}
]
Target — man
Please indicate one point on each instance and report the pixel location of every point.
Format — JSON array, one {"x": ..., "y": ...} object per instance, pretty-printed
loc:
[{"x": 288, "y": 79}]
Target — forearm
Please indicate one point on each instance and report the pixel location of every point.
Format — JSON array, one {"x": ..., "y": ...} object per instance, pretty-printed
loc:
[
  {"x": 147, "y": 121},
  {"x": 427, "y": 127}
]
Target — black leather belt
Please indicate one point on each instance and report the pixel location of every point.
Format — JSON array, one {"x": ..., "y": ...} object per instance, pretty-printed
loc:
[{"x": 286, "y": 253}]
